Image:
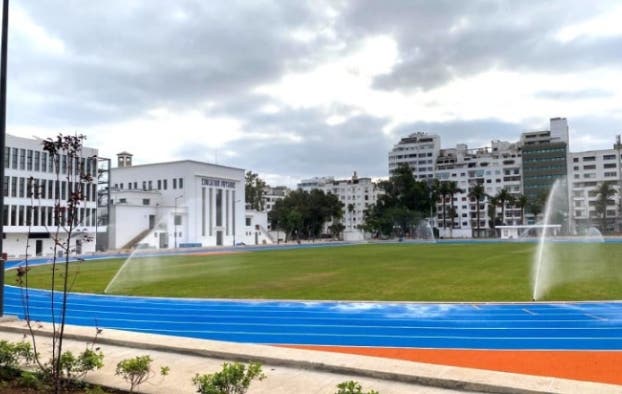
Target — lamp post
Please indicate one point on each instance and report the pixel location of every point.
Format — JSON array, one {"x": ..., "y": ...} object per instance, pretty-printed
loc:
[
  {"x": 618, "y": 147},
  {"x": 175, "y": 218},
  {"x": 234, "y": 217},
  {"x": 3, "y": 64}
]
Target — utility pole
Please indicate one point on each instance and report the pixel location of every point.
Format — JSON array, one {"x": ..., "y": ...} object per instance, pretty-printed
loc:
[{"x": 3, "y": 63}]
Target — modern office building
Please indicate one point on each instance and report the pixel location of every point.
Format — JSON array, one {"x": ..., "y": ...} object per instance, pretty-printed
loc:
[
  {"x": 356, "y": 194},
  {"x": 33, "y": 186},
  {"x": 545, "y": 158},
  {"x": 175, "y": 204}
]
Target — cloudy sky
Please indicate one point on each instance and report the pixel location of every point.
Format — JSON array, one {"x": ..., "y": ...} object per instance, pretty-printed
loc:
[{"x": 294, "y": 89}]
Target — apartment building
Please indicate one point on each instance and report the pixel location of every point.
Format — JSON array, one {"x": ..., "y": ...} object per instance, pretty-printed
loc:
[
  {"x": 590, "y": 169},
  {"x": 357, "y": 194},
  {"x": 495, "y": 168},
  {"x": 419, "y": 151},
  {"x": 33, "y": 185},
  {"x": 274, "y": 194}
]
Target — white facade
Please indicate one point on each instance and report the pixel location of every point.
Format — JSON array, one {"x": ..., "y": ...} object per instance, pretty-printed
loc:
[
  {"x": 29, "y": 205},
  {"x": 256, "y": 229},
  {"x": 419, "y": 151},
  {"x": 588, "y": 170},
  {"x": 274, "y": 194},
  {"x": 496, "y": 168},
  {"x": 356, "y": 194},
  {"x": 176, "y": 204}
]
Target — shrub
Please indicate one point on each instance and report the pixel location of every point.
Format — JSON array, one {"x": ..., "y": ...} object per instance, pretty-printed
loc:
[
  {"x": 73, "y": 367},
  {"x": 137, "y": 370},
  {"x": 232, "y": 379},
  {"x": 352, "y": 387},
  {"x": 12, "y": 354}
]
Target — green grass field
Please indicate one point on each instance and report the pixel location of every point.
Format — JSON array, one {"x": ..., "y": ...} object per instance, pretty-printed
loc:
[{"x": 404, "y": 272}]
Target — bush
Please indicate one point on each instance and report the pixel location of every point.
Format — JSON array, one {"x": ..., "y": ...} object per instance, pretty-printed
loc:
[
  {"x": 137, "y": 370},
  {"x": 73, "y": 367},
  {"x": 12, "y": 354},
  {"x": 352, "y": 387},
  {"x": 232, "y": 379}
]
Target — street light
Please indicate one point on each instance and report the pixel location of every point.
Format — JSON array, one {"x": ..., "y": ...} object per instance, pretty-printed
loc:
[
  {"x": 175, "y": 218},
  {"x": 234, "y": 228}
]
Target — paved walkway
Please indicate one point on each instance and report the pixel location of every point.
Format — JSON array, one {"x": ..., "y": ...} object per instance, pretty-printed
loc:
[{"x": 290, "y": 370}]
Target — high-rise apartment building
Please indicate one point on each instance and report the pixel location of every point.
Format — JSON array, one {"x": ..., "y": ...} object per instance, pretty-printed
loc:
[{"x": 419, "y": 151}]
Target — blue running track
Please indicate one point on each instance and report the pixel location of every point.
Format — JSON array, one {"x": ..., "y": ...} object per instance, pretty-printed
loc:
[{"x": 537, "y": 326}]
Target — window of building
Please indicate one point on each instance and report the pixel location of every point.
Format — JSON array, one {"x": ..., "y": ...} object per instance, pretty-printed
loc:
[
  {"x": 589, "y": 158},
  {"x": 609, "y": 157},
  {"x": 22, "y": 159},
  {"x": 146, "y": 201},
  {"x": 174, "y": 183},
  {"x": 181, "y": 183},
  {"x": 14, "y": 159},
  {"x": 178, "y": 221},
  {"x": 248, "y": 221},
  {"x": 122, "y": 200}
]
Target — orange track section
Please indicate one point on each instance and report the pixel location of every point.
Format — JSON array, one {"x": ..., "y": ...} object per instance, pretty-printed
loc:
[{"x": 603, "y": 367}]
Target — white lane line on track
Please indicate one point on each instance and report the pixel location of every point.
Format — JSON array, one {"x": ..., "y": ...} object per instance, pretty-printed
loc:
[
  {"x": 596, "y": 317},
  {"x": 530, "y": 312}
]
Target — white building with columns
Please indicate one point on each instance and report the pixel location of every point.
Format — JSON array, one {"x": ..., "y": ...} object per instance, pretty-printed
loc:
[{"x": 183, "y": 203}]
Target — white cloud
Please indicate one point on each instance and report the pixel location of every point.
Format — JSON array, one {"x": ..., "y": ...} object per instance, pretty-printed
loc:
[
  {"x": 606, "y": 24},
  {"x": 162, "y": 132}
]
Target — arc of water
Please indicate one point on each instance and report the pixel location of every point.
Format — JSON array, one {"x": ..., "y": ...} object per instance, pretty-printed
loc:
[{"x": 539, "y": 260}]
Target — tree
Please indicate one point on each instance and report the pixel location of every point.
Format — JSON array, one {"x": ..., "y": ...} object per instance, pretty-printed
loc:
[
  {"x": 452, "y": 190},
  {"x": 521, "y": 202},
  {"x": 65, "y": 152},
  {"x": 303, "y": 214},
  {"x": 405, "y": 200},
  {"x": 254, "y": 191},
  {"x": 443, "y": 191},
  {"x": 477, "y": 193},
  {"x": 504, "y": 197},
  {"x": 492, "y": 214},
  {"x": 604, "y": 197}
]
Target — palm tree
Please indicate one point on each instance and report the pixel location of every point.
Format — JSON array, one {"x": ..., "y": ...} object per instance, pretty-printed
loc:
[
  {"x": 502, "y": 198},
  {"x": 452, "y": 189},
  {"x": 604, "y": 194},
  {"x": 492, "y": 213},
  {"x": 521, "y": 202},
  {"x": 443, "y": 191},
  {"x": 477, "y": 193}
]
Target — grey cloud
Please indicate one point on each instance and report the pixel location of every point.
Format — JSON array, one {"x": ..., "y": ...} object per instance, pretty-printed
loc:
[
  {"x": 121, "y": 59},
  {"x": 320, "y": 149},
  {"x": 474, "y": 133},
  {"x": 573, "y": 94},
  {"x": 442, "y": 40}
]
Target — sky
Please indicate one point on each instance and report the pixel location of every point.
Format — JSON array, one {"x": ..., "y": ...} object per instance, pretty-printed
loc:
[{"x": 296, "y": 89}]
